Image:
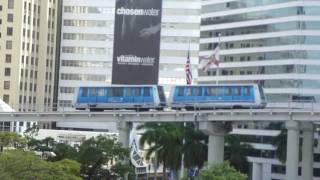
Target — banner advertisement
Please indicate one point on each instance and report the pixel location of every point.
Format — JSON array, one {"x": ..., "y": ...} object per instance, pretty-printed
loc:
[{"x": 136, "y": 42}]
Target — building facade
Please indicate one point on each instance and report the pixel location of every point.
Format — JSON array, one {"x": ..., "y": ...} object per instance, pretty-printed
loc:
[
  {"x": 87, "y": 44},
  {"x": 27, "y": 53},
  {"x": 272, "y": 43}
]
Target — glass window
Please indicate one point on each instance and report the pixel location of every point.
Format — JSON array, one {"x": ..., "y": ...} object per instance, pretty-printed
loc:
[
  {"x": 137, "y": 91},
  {"x": 84, "y": 92},
  {"x": 220, "y": 91},
  {"x": 119, "y": 91},
  {"x": 146, "y": 92},
  {"x": 236, "y": 91},
  {"x": 6, "y": 85},
  {"x": 188, "y": 91},
  {"x": 246, "y": 91},
  {"x": 8, "y": 44},
  {"x": 8, "y": 58},
  {"x": 9, "y": 31},
  {"x": 10, "y": 4},
  {"x": 101, "y": 92},
  {"x": 93, "y": 92},
  {"x": 10, "y": 18},
  {"x": 128, "y": 92},
  {"x": 227, "y": 91},
  {"x": 180, "y": 91},
  {"x": 197, "y": 91},
  {"x": 7, "y": 71},
  {"x": 116, "y": 92},
  {"x": 6, "y": 98}
]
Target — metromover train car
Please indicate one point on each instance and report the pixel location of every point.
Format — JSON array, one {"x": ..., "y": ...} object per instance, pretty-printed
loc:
[
  {"x": 217, "y": 96},
  {"x": 116, "y": 97}
]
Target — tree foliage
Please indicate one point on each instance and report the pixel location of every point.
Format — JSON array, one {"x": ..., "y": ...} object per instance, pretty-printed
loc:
[
  {"x": 280, "y": 142},
  {"x": 235, "y": 152},
  {"x": 98, "y": 157},
  {"x": 221, "y": 172},
  {"x": 11, "y": 139},
  {"x": 17, "y": 164},
  {"x": 166, "y": 141}
]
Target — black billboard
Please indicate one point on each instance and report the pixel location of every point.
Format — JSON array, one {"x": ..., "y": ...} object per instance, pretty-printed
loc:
[{"x": 136, "y": 41}]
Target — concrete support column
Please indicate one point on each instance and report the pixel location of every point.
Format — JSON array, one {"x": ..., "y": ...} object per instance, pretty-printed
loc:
[
  {"x": 216, "y": 132},
  {"x": 124, "y": 136},
  {"x": 257, "y": 171},
  {"x": 124, "y": 133},
  {"x": 307, "y": 150},
  {"x": 292, "y": 150}
]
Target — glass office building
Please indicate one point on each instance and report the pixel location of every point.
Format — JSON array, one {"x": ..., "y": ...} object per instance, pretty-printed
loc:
[{"x": 275, "y": 43}]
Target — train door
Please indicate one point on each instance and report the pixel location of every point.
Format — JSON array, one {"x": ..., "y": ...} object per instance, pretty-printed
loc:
[
  {"x": 236, "y": 93},
  {"x": 188, "y": 94},
  {"x": 128, "y": 97},
  {"x": 137, "y": 98},
  {"x": 92, "y": 95},
  {"x": 197, "y": 92},
  {"x": 147, "y": 95},
  {"x": 101, "y": 95},
  {"x": 227, "y": 94}
]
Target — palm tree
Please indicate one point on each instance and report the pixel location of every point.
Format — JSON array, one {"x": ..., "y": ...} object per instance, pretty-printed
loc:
[
  {"x": 195, "y": 148},
  {"x": 164, "y": 139},
  {"x": 235, "y": 152}
]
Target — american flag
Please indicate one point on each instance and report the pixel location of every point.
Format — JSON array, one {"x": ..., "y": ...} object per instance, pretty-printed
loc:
[
  {"x": 188, "y": 70},
  {"x": 214, "y": 59}
]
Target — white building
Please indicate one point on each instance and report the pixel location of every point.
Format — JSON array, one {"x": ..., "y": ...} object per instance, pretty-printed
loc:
[
  {"x": 87, "y": 45},
  {"x": 275, "y": 43}
]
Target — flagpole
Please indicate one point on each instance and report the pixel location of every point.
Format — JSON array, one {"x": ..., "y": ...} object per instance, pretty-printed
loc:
[
  {"x": 217, "y": 76},
  {"x": 184, "y": 124}
]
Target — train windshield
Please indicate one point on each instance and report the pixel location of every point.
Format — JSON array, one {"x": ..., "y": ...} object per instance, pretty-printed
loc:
[
  {"x": 263, "y": 97},
  {"x": 161, "y": 94}
]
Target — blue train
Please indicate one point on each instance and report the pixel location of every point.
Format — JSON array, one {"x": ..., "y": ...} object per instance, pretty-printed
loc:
[
  {"x": 145, "y": 97},
  {"x": 137, "y": 97},
  {"x": 234, "y": 96}
]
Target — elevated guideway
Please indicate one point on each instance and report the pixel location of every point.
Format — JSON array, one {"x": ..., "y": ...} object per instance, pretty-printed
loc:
[
  {"x": 232, "y": 115},
  {"x": 215, "y": 123}
]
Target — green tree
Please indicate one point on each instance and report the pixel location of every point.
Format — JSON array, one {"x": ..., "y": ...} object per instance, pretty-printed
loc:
[
  {"x": 235, "y": 152},
  {"x": 11, "y": 139},
  {"x": 17, "y": 164},
  {"x": 195, "y": 148},
  {"x": 221, "y": 172},
  {"x": 164, "y": 140},
  {"x": 64, "y": 151},
  {"x": 98, "y": 156},
  {"x": 280, "y": 142}
]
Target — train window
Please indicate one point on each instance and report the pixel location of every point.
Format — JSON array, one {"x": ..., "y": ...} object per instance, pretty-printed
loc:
[
  {"x": 180, "y": 91},
  {"x": 137, "y": 91},
  {"x": 146, "y": 92},
  {"x": 227, "y": 91},
  {"x": 220, "y": 91},
  {"x": 101, "y": 92},
  {"x": 110, "y": 92},
  {"x": 188, "y": 91},
  {"x": 128, "y": 92},
  {"x": 93, "y": 92},
  {"x": 115, "y": 92},
  {"x": 197, "y": 91},
  {"x": 246, "y": 91},
  {"x": 213, "y": 91},
  {"x": 84, "y": 92},
  {"x": 236, "y": 91}
]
